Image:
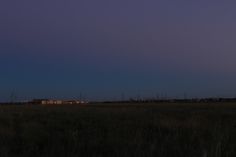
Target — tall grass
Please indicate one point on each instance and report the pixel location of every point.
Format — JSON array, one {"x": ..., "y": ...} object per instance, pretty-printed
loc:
[{"x": 142, "y": 130}]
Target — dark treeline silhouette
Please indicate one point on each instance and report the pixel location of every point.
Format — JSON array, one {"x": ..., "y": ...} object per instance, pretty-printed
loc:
[
  {"x": 140, "y": 100},
  {"x": 192, "y": 100},
  {"x": 14, "y": 103}
]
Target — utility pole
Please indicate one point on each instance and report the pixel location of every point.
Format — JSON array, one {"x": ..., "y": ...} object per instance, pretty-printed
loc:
[
  {"x": 13, "y": 97},
  {"x": 122, "y": 96}
]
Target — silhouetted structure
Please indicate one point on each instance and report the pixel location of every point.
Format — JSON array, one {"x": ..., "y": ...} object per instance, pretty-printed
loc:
[{"x": 55, "y": 102}]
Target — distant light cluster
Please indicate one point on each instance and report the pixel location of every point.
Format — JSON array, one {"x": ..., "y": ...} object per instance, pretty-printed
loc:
[{"x": 56, "y": 102}]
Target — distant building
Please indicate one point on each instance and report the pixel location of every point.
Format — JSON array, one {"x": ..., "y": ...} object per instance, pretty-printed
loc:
[{"x": 56, "y": 102}]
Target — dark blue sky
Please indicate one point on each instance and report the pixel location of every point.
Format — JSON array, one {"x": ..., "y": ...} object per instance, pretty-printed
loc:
[{"x": 59, "y": 49}]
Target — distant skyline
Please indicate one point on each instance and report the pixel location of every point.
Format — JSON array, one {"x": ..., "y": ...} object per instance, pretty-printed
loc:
[{"x": 101, "y": 49}]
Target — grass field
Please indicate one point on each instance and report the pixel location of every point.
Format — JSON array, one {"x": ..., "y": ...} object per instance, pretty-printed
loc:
[{"x": 119, "y": 130}]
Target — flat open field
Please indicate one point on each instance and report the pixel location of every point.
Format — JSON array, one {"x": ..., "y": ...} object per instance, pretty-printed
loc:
[{"x": 119, "y": 130}]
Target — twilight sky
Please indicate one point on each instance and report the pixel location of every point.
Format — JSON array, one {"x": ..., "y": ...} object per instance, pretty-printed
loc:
[{"x": 102, "y": 48}]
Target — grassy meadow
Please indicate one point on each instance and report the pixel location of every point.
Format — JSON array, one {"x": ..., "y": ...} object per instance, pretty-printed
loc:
[{"x": 119, "y": 130}]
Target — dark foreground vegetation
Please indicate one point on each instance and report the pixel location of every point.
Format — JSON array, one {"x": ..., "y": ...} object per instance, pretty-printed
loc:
[{"x": 119, "y": 130}]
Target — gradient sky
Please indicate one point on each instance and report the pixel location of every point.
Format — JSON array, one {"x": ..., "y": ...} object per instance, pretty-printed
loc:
[{"x": 102, "y": 48}]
